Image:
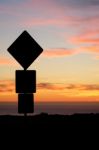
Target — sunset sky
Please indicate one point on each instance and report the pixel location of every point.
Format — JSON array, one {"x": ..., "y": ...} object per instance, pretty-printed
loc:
[{"x": 68, "y": 31}]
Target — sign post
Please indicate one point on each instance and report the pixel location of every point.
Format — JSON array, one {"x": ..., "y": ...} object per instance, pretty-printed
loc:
[{"x": 25, "y": 50}]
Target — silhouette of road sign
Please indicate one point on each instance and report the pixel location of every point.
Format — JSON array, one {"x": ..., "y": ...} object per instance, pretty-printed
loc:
[
  {"x": 25, "y": 103},
  {"x": 25, "y": 81},
  {"x": 25, "y": 49}
]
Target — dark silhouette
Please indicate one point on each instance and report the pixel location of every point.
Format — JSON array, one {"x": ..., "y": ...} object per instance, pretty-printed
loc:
[
  {"x": 25, "y": 50},
  {"x": 25, "y": 103},
  {"x": 40, "y": 127},
  {"x": 44, "y": 131},
  {"x": 44, "y": 121},
  {"x": 25, "y": 81}
]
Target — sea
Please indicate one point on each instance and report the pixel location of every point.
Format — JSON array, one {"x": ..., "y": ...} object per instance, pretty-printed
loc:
[{"x": 62, "y": 108}]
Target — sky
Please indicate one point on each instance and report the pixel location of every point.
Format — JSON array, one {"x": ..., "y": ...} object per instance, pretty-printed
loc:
[{"x": 68, "y": 32}]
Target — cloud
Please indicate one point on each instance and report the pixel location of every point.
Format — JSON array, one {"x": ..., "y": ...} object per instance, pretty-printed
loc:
[
  {"x": 50, "y": 86},
  {"x": 47, "y": 13},
  {"x": 90, "y": 49},
  {"x": 54, "y": 52},
  {"x": 7, "y": 86},
  {"x": 59, "y": 52},
  {"x": 89, "y": 36},
  {"x": 53, "y": 21},
  {"x": 71, "y": 86},
  {"x": 8, "y": 62},
  {"x": 86, "y": 87},
  {"x": 83, "y": 87},
  {"x": 87, "y": 41},
  {"x": 90, "y": 87},
  {"x": 79, "y": 87},
  {"x": 61, "y": 19}
]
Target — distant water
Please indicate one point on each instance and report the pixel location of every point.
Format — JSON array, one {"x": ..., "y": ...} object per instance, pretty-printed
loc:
[{"x": 53, "y": 108}]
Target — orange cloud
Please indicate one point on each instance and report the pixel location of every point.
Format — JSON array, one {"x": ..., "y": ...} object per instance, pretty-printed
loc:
[
  {"x": 53, "y": 91},
  {"x": 83, "y": 87},
  {"x": 85, "y": 40},
  {"x": 90, "y": 49},
  {"x": 59, "y": 52},
  {"x": 79, "y": 87},
  {"x": 7, "y": 86},
  {"x": 5, "y": 61},
  {"x": 50, "y": 86},
  {"x": 86, "y": 87},
  {"x": 8, "y": 61}
]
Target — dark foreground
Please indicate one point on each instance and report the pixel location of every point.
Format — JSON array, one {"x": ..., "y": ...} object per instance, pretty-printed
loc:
[
  {"x": 54, "y": 122},
  {"x": 54, "y": 127}
]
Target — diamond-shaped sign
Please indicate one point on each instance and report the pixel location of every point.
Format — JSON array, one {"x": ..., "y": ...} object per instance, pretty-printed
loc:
[{"x": 25, "y": 49}]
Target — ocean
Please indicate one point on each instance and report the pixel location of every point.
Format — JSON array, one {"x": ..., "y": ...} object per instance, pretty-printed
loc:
[{"x": 64, "y": 108}]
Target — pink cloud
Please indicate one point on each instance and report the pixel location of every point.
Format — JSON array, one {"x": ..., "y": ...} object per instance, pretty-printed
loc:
[
  {"x": 94, "y": 20},
  {"x": 87, "y": 41},
  {"x": 48, "y": 12},
  {"x": 54, "y": 21},
  {"x": 88, "y": 36}
]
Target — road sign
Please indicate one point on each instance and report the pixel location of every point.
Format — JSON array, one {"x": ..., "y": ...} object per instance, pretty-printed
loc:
[
  {"x": 25, "y": 103},
  {"x": 25, "y": 49},
  {"x": 25, "y": 81}
]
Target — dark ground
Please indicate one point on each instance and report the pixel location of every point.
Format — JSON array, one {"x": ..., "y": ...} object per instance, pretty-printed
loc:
[
  {"x": 88, "y": 122},
  {"x": 51, "y": 128}
]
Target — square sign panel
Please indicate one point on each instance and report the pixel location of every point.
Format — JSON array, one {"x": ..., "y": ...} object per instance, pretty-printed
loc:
[
  {"x": 25, "y": 103},
  {"x": 25, "y": 49},
  {"x": 25, "y": 81}
]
